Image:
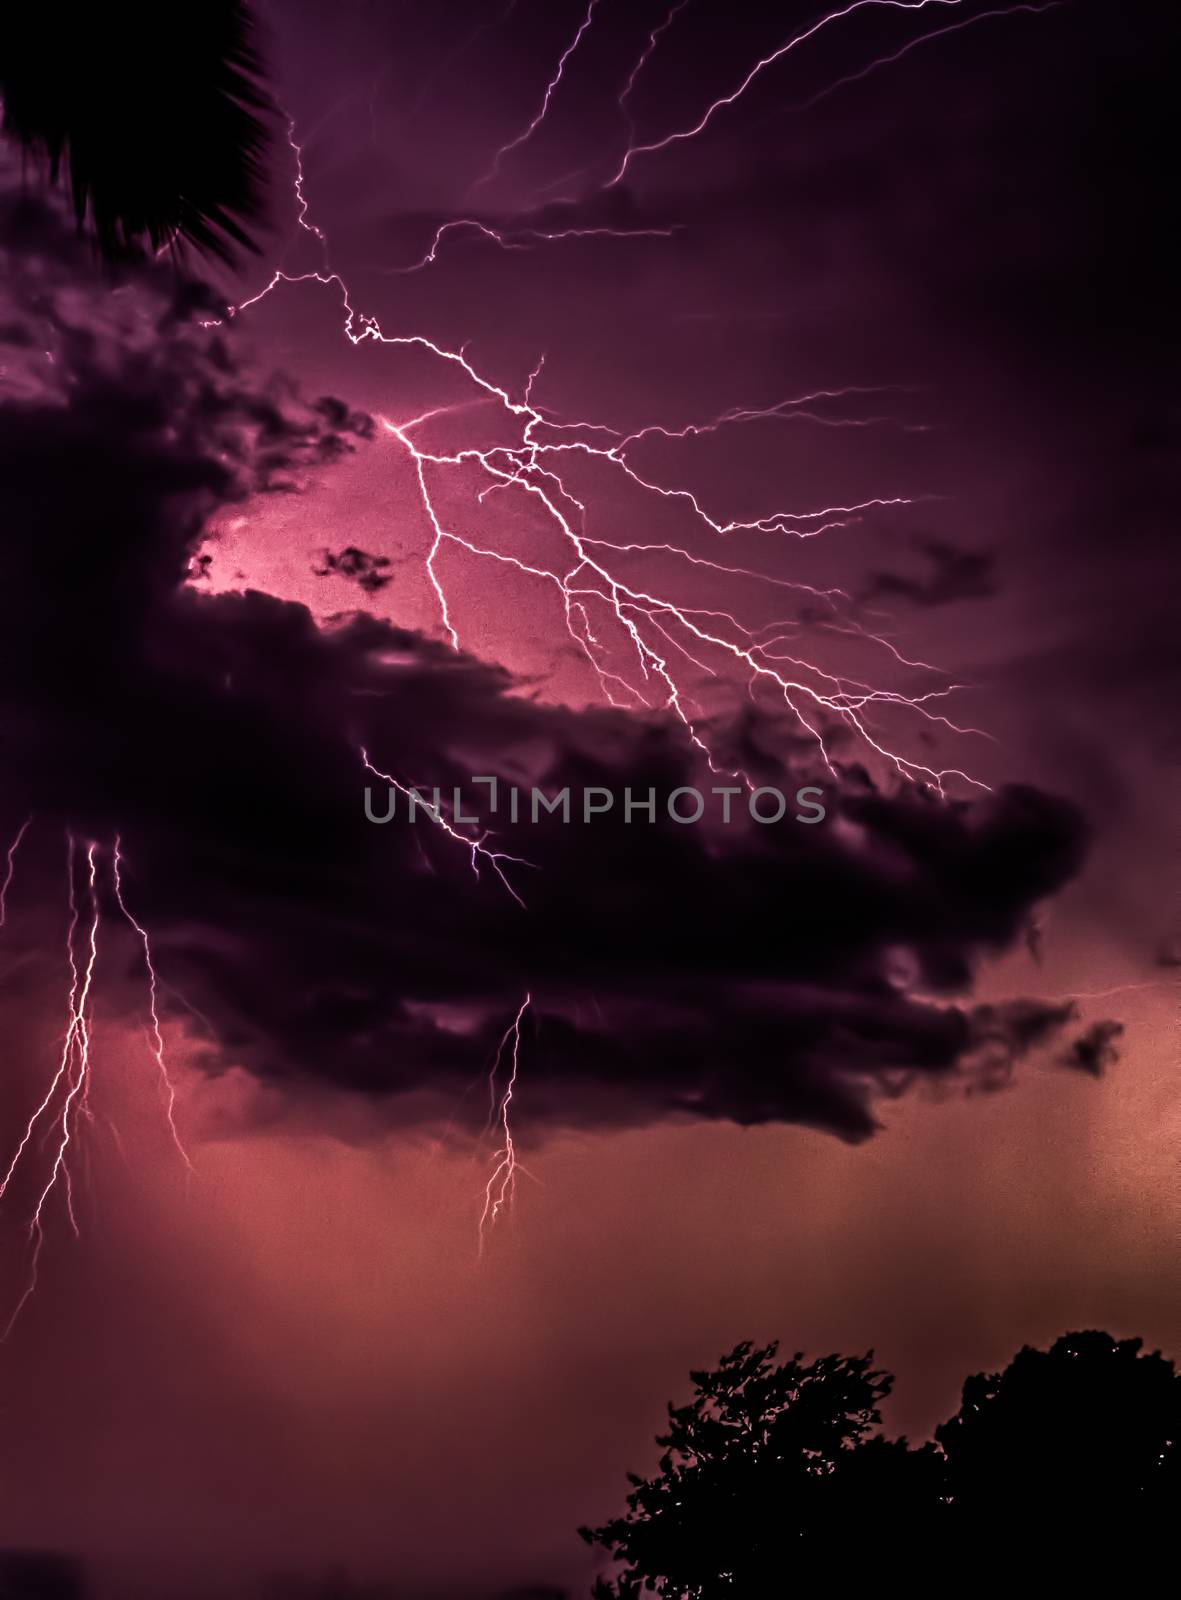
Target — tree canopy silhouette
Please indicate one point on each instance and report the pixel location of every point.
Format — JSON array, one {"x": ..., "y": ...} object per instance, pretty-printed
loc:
[
  {"x": 157, "y": 114},
  {"x": 771, "y": 1473},
  {"x": 1090, "y": 1429},
  {"x": 755, "y": 1468}
]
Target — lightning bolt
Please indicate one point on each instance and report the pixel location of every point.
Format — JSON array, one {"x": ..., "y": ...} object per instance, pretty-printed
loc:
[
  {"x": 925, "y": 38},
  {"x": 521, "y": 238},
  {"x": 297, "y": 184},
  {"x": 71, "y": 1025},
  {"x": 760, "y": 66},
  {"x": 157, "y": 1036},
  {"x": 626, "y": 92},
  {"x": 551, "y": 87},
  {"x": 67, "y": 1096},
  {"x": 10, "y": 868},
  {"x": 646, "y": 55},
  {"x": 501, "y": 1187},
  {"x": 1117, "y": 989},
  {"x": 74, "y": 1069},
  {"x": 475, "y": 845}
]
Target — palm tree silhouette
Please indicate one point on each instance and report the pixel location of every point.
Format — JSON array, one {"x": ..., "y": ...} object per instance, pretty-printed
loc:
[{"x": 156, "y": 115}]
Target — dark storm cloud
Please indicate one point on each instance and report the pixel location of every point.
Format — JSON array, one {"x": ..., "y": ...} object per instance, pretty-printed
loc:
[
  {"x": 952, "y": 574},
  {"x": 1095, "y": 1050},
  {"x": 364, "y": 569},
  {"x": 753, "y": 973}
]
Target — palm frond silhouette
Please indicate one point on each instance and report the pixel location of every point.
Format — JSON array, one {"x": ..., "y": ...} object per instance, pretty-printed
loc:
[{"x": 154, "y": 114}]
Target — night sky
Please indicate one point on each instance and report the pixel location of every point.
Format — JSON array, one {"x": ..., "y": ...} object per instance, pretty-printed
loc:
[{"x": 568, "y": 431}]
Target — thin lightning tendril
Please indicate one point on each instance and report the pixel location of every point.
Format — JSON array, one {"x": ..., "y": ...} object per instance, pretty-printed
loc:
[
  {"x": 646, "y": 54},
  {"x": 157, "y": 1035},
  {"x": 522, "y": 238},
  {"x": 501, "y": 1187},
  {"x": 925, "y": 38},
  {"x": 10, "y": 868},
  {"x": 551, "y": 87},
  {"x": 475, "y": 845}
]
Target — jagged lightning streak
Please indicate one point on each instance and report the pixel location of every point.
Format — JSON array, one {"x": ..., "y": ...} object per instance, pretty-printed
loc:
[
  {"x": 646, "y": 55},
  {"x": 72, "y": 928},
  {"x": 301, "y": 200},
  {"x": 67, "y": 1097},
  {"x": 760, "y": 66},
  {"x": 74, "y": 1067},
  {"x": 77, "y": 1040},
  {"x": 527, "y": 132},
  {"x": 475, "y": 845},
  {"x": 157, "y": 1036},
  {"x": 10, "y": 867},
  {"x": 521, "y": 238},
  {"x": 502, "y": 1184},
  {"x": 626, "y": 92},
  {"x": 793, "y": 409},
  {"x": 913, "y": 44}
]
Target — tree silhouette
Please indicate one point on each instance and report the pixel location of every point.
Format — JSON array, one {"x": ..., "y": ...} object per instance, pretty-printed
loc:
[
  {"x": 1077, "y": 1447},
  {"x": 155, "y": 112},
  {"x": 755, "y": 1470},
  {"x": 771, "y": 1475}
]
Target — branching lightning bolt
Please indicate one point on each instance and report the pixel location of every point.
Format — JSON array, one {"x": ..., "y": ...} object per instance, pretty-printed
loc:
[
  {"x": 474, "y": 844},
  {"x": 67, "y": 1096},
  {"x": 72, "y": 1022},
  {"x": 590, "y": 587},
  {"x": 74, "y": 1069},
  {"x": 760, "y": 66}
]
